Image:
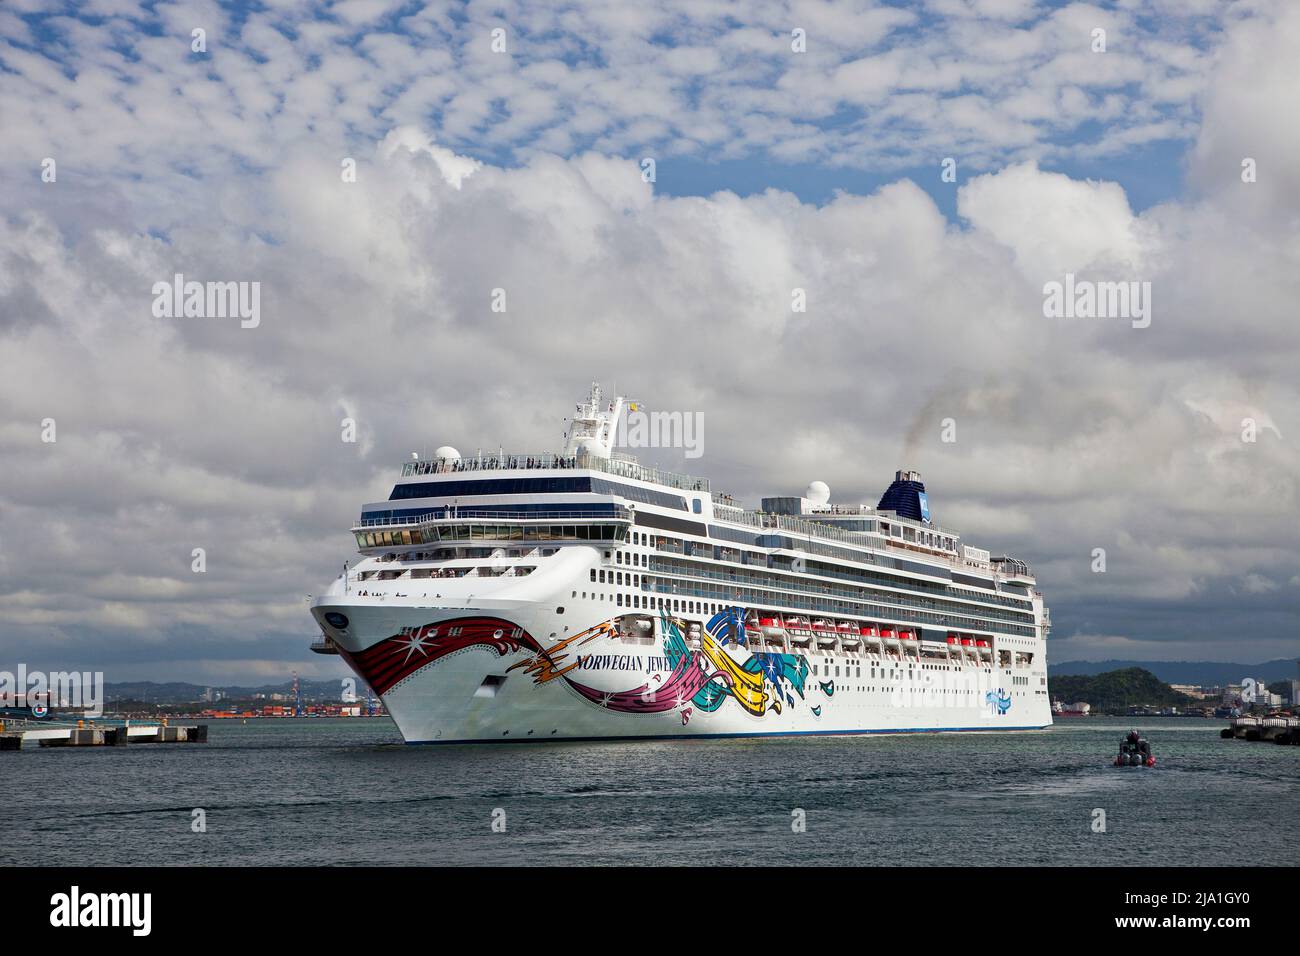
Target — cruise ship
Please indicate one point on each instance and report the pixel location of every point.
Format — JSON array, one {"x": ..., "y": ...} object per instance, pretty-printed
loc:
[{"x": 584, "y": 595}]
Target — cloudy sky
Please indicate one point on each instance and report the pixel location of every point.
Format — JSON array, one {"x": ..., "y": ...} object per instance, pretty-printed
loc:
[{"x": 130, "y": 156}]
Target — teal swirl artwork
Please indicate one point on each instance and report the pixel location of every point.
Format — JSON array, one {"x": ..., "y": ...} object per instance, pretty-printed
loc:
[{"x": 747, "y": 682}]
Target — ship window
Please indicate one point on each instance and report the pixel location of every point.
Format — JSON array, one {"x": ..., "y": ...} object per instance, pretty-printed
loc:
[
  {"x": 695, "y": 505},
  {"x": 593, "y": 574},
  {"x": 559, "y": 610},
  {"x": 491, "y": 684}
]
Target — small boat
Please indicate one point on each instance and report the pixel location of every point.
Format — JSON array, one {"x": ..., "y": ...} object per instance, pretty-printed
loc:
[
  {"x": 825, "y": 632},
  {"x": 850, "y": 636},
  {"x": 1134, "y": 751},
  {"x": 800, "y": 633}
]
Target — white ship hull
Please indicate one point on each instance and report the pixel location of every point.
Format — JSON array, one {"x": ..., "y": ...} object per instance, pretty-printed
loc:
[{"x": 505, "y": 678}]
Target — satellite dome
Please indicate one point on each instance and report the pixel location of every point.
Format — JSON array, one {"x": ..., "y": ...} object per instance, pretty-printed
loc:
[
  {"x": 818, "y": 493},
  {"x": 446, "y": 451}
]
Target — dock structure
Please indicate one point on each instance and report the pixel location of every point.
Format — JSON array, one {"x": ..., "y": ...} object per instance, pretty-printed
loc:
[
  {"x": 1279, "y": 730},
  {"x": 14, "y": 735}
]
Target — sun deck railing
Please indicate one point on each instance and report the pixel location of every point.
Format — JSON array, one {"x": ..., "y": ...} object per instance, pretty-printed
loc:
[
  {"x": 470, "y": 513},
  {"x": 546, "y": 461}
]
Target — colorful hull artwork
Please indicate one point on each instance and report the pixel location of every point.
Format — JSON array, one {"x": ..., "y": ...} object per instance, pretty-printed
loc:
[{"x": 702, "y": 679}]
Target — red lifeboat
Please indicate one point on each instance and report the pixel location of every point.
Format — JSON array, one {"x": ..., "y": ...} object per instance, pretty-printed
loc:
[{"x": 965, "y": 642}]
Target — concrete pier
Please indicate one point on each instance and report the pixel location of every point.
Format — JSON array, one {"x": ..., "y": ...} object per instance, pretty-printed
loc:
[
  {"x": 1279, "y": 730},
  {"x": 13, "y": 737}
]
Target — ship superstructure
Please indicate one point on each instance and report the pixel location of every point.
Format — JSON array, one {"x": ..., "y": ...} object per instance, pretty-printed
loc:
[{"x": 581, "y": 594}]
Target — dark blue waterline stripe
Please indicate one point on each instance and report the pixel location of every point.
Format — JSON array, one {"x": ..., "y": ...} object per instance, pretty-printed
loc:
[{"x": 779, "y": 733}]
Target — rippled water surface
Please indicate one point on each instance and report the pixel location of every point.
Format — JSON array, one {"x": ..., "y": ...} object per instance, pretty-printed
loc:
[{"x": 280, "y": 791}]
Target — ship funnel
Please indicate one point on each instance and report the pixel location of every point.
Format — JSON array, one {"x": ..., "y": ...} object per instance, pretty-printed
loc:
[{"x": 906, "y": 497}]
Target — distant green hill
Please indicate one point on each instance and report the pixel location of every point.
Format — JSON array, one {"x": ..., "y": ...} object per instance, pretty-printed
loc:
[
  {"x": 1116, "y": 691},
  {"x": 1206, "y": 673}
]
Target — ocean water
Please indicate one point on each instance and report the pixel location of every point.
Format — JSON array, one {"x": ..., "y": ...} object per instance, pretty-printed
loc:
[{"x": 347, "y": 791}]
